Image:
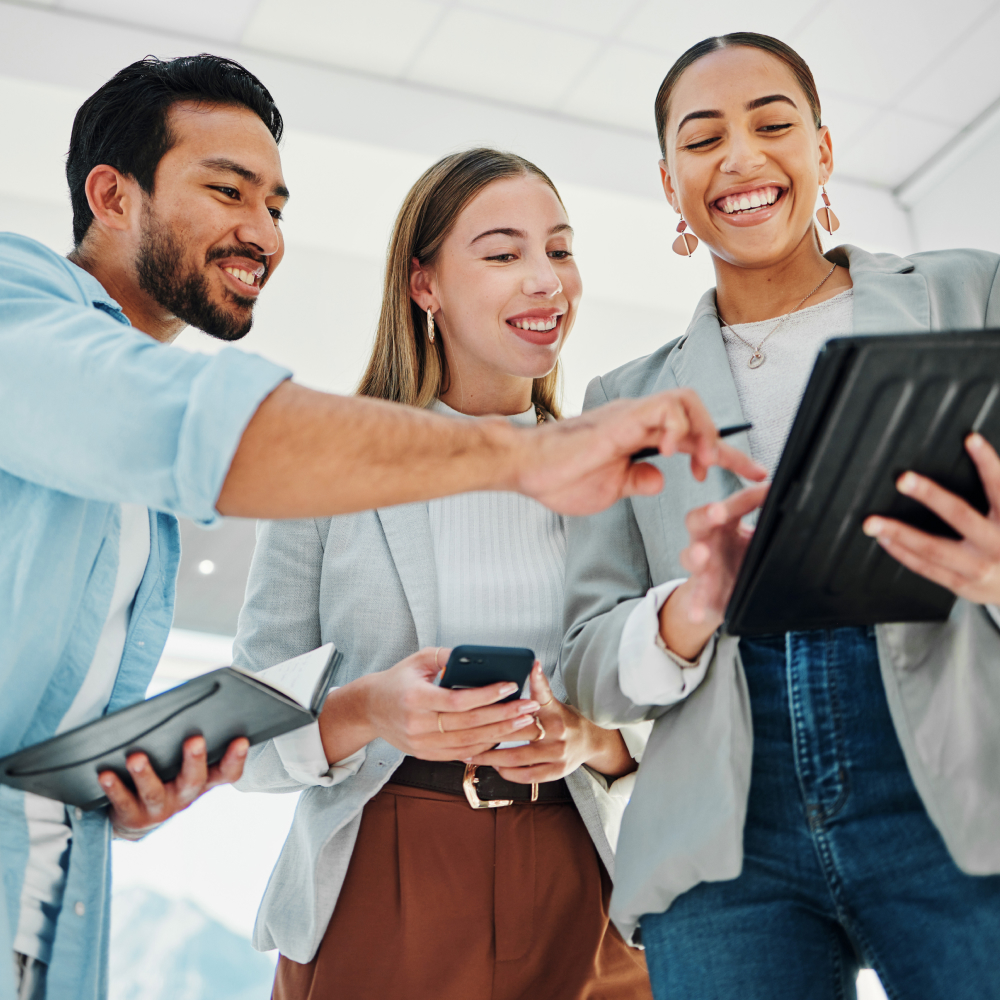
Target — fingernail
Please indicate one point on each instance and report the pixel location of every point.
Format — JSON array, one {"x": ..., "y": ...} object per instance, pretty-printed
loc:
[
  {"x": 107, "y": 781},
  {"x": 524, "y": 720},
  {"x": 906, "y": 483},
  {"x": 975, "y": 441},
  {"x": 872, "y": 527},
  {"x": 241, "y": 751},
  {"x": 530, "y": 707},
  {"x": 136, "y": 766},
  {"x": 508, "y": 689}
]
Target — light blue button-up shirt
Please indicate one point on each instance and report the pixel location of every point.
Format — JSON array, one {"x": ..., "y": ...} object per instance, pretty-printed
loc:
[{"x": 92, "y": 414}]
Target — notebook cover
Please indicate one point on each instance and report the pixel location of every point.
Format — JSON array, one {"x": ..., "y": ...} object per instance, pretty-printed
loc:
[{"x": 220, "y": 706}]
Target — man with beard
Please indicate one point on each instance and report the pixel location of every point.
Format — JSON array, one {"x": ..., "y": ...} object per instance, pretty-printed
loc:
[{"x": 107, "y": 435}]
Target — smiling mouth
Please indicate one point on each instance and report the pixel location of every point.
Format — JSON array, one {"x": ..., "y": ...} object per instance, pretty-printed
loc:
[
  {"x": 538, "y": 325},
  {"x": 748, "y": 202},
  {"x": 247, "y": 277}
]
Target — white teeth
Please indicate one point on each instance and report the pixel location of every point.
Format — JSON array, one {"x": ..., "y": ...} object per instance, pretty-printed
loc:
[
  {"x": 537, "y": 325},
  {"x": 245, "y": 276},
  {"x": 749, "y": 200}
]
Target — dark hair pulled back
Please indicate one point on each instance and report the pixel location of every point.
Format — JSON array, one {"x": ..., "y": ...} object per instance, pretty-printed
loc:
[
  {"x": 124, "y": 124},
  {"x": 745, "y": 39}
]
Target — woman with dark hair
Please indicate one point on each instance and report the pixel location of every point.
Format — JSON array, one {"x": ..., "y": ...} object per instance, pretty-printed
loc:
[
  {"x": 391, "y": 884},
  {"x": 819, "y": 800}
]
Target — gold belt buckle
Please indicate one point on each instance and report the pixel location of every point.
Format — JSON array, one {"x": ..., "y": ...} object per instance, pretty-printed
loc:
[{"x": 469, "y": 783}]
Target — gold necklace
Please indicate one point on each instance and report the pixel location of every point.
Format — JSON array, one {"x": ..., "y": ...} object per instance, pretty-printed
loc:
[
  {"x": 539, "y": 414},
  {"x": 757, "y": 358}
]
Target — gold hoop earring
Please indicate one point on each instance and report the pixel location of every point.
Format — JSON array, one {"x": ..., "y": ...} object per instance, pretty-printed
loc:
[
  {"x": 686, "y": 243},
  {"x": 825, "y": 215},
  {"x": 430, "y": 325}
]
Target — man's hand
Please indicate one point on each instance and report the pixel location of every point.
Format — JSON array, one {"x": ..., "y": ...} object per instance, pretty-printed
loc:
[
  {"x": 133, "y": 816},
  {"x": 718, "y": 545},
  {"x": 583, "y": 465},
  {"x": 312, "y": 454},
  {"x": 969, "y": 567}
]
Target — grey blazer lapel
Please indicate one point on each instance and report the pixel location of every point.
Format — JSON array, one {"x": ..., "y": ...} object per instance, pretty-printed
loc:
[
  {"x": 699, "y": 362},
  {"x": 889, "y": 296},
  {"x": 408, "y": 532}
]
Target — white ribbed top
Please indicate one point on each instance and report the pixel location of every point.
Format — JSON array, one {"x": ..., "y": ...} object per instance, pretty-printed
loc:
[
  {"x": 500, "y": 560},
  {"x": 770, "y": 395}
]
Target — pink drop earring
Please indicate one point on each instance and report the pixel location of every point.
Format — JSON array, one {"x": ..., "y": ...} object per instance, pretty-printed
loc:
[
  {"x": 826, "y": 217},
  {"x": 686, "y": 243}
]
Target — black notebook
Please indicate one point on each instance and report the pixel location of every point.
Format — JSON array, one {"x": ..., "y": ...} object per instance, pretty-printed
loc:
[
  {"x": 221, "y": 706},
  {"x": 874, "y": 407}
]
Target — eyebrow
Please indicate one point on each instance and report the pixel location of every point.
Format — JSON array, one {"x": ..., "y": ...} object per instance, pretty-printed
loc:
[
  {"x": 758, "y": 102},
  {"x": 232, "y": 167},
  {"x": 520, "y": 234}
]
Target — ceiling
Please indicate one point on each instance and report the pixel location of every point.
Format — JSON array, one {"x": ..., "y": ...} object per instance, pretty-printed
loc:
[{"x": 900, "y": 80}]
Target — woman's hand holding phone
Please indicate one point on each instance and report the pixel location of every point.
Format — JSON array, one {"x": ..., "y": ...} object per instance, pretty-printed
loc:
[
  {"x": 404, "y": 707},
  {"x": 569, "y": 740}
]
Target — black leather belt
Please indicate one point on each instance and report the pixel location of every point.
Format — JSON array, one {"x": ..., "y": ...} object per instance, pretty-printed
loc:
[{"x": 481, "y": 786}]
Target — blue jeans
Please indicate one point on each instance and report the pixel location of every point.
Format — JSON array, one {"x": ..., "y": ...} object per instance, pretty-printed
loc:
[{"x": 842, "y": 866}]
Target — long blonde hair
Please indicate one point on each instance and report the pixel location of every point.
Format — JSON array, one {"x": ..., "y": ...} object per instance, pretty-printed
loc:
[{"x": 404, "y": 366}]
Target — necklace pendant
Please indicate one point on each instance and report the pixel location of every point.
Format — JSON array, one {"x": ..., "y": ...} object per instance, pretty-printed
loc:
[{"x": 756, "y": 360}]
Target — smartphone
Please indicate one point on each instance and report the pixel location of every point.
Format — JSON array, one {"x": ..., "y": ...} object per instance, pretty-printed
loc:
[{"x": 477, "y": 666}]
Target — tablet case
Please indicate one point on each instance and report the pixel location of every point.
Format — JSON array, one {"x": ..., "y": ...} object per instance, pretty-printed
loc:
[
  {"x": 874, "y": 407},
  {"x": 220, "y": 706}
]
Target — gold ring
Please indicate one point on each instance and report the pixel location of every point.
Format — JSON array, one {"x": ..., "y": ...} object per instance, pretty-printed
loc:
[
  {"x": 436, "y": 652},
  {"x": 541, "y": 730},
  {"x": 440, "y": 727},
  {"x": 549, "y": 702}
]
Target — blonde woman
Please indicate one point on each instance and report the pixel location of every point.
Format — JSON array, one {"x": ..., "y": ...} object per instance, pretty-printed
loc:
[{"x": 390, "y": 884}]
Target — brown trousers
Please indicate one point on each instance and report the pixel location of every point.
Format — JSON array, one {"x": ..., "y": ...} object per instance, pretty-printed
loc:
[{"x": 444, "y": 902}]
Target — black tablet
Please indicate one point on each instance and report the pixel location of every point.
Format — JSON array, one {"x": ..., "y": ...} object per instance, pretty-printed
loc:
[{"x": 874, "y": 407}]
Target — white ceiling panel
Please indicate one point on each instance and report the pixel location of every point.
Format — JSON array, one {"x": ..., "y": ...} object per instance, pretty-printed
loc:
[
  {"x": 892, "y": 147},
  {"x": 216, "y": 19},
  {"x": 501, "y": 59},
  {"x": 846, "y": 118},
  {"x": 964, "y": 82},
  {"x": 872, "y": 51},
  {"x": 376, "y": 36},
  {"x": 619, "y": 89},
  {"x": 593, "y": 17},
  {"x": 675, "y": 27}
]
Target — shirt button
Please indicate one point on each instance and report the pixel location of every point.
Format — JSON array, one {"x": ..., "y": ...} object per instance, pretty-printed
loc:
[
  {"x": 79, "y": 909},
  {"x": 78, "y": 812},
  {"x": 141, "y": 644}
]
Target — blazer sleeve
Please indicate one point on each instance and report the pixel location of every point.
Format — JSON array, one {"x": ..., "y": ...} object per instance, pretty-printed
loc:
[
  {"x": 607, "y": 575},
  {"x": 279, "y": 620}
]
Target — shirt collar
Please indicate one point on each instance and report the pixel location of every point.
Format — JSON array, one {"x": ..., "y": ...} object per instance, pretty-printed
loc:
[{"x": 96, "y": 292}]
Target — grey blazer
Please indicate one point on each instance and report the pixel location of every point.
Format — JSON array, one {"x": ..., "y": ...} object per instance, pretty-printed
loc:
[
  {"x": 684, "y": 824},
  {"x": 367, "y": 583}
]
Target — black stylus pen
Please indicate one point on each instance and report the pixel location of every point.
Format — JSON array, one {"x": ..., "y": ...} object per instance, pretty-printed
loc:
[{"x": 724, "y": 432}]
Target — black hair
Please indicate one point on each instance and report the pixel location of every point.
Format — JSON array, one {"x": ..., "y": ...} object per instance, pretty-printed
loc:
[
  {"x": 747, "y": 39},
  {"x": 125, "y": 124}
]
